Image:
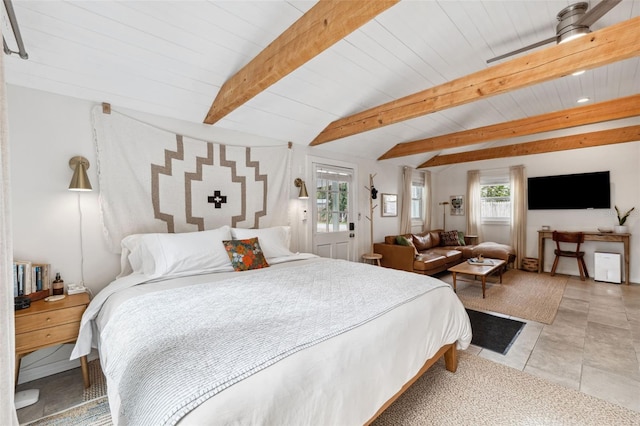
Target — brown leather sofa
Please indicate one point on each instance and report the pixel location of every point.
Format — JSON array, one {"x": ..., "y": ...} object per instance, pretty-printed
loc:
[{"x": 435, "y": 251}]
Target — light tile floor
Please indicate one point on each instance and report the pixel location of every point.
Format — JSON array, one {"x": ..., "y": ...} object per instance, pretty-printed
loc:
[{"x": 593, "y": 346}]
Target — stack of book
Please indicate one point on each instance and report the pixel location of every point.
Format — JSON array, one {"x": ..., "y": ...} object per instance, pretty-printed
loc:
[{"x": 31, "y": 280}]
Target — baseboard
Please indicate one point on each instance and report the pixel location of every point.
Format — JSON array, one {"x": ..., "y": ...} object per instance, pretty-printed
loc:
[{"x": 48, "y": 369}]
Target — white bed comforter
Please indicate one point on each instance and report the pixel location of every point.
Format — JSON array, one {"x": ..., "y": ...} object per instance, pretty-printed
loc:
[{"x": 207, "y": 341}]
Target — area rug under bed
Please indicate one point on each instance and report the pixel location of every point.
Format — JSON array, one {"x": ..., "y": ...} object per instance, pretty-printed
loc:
[{"x": 481, "y": 392}]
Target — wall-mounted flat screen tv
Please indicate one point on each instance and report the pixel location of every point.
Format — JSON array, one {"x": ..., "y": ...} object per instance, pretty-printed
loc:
[{"x": 576, "y": 191}]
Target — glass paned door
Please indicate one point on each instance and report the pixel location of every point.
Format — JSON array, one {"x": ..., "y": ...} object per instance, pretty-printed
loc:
[{"x": 332, "y": 214}]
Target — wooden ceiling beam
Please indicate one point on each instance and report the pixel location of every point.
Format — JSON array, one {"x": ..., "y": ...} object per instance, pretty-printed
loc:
[
  {"x": 326, "y": 23},
  {"x": 564, "y": 143},
  {"x": 611, "y": 44},
  {"x": 587, "y": 114}
]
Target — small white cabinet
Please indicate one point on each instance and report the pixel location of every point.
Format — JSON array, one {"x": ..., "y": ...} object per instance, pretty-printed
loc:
[{"x": 608, "y": 267}]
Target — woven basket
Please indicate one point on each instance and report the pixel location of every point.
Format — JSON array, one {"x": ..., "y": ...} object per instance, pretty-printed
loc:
[{"x": 530, "y": 264}]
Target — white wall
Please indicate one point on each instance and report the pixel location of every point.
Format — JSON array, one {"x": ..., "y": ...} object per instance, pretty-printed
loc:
[
  {"x": 623, "y": 162},
  {"x": 387, "y": 179},
  {"x": 46, "y": 130}
]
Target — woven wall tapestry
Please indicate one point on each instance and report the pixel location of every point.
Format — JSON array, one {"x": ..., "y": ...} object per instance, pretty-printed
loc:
[{"x": 152, "y": 180}]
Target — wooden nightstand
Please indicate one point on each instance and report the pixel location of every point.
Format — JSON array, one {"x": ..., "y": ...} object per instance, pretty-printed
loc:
[{"x": 45, "y": 324}]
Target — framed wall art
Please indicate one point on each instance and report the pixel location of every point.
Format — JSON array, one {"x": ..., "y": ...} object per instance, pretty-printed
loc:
[
  {"x": 457, "y": 205},
  {"x": 389, "y": 205}
]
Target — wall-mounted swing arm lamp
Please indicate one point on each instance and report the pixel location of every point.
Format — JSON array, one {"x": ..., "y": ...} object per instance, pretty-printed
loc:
[
  {"x": 80, "y": 183},
  {"x": 303, "y": 194},
  {"x": 80, "y": 180}
]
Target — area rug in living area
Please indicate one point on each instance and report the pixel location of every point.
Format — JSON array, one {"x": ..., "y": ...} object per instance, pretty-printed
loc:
[
  {"x": 526, "y": 295},
  {"x": 480, "y": 392},
  {"x": 493, "y": 332}
]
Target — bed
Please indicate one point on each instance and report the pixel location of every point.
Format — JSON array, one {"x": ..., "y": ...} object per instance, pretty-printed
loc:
[{"x": 197, "y": 329}]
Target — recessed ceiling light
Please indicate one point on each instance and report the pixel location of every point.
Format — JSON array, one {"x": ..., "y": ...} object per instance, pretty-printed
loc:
[
  {"x": 583, "y": 100},
  {"x": 579, "y": 72}
]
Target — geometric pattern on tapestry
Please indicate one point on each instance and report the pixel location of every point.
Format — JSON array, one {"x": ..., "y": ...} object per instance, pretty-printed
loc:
[{"x": 153, "y": 180}]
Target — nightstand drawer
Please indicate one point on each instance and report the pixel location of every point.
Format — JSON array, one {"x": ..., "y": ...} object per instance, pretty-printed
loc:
[
  {"x": 48, "y": 319},
  {"x": 47, "y": 336}
]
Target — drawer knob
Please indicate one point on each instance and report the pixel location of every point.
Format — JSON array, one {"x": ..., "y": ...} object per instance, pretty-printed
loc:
[
  {"x": 48, "y": 319},
  {"x": 48, "y": 335}
]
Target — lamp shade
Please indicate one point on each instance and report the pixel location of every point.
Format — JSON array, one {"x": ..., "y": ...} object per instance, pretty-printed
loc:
[
  {"x": 80, "y": 180},
  {"x": 303, "y": 194}
]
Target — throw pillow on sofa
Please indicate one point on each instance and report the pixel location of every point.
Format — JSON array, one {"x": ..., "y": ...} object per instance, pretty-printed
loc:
[
  {"x": 461, "y": 239},
  {"x": 404, "y": 241},
  {"x": 422, "y": 242},
  {"x": 449, "y": 238}
]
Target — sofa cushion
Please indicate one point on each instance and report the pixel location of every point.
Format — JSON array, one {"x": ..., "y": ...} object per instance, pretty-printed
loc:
[
  {"x": 494, "y": 251},
  {"x": 449, "y": 238},
  {"x": 429, "y": 261},
  {"x": 461, "y": 238},
  {"x": 393, "y": 239},
  {"x": 423, "y": 242},
  {"x": 404, "y": 241},
  {"x": 467, "y": 251},
  {"x": 452, "y": 255},
  {"x": 435, "y": 238}
]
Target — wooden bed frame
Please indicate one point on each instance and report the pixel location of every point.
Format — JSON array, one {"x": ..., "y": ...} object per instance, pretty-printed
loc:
[{"x": 450, "y": 353}]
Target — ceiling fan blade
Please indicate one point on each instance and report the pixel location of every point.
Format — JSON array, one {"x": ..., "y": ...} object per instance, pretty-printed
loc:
[
  {"x": 597, "y": 12},
  {"x": 524, "y": 49}
]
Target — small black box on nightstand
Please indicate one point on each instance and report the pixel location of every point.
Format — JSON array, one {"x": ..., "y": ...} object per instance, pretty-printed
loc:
[{"x": 21, "y": 302}]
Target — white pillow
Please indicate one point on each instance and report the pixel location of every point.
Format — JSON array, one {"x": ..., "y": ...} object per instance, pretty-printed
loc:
[
  {"x": 168, "y": 254},
  {"x": 129, "y": 263},
  {"x": 273, "y": 241}
]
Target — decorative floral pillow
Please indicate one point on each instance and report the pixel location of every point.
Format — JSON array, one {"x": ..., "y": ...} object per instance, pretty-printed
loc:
[
  {"x": 245, "y": 254},
  {"x": 449, "y": 238}
]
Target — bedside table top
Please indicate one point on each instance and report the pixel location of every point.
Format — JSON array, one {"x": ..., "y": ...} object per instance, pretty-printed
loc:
[{"x": 40, "y": 306}]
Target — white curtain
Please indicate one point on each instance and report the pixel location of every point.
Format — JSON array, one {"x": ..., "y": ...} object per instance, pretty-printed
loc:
[
  {"x": 474, "y": 207},
  {"x": 518, "y": 212},
  {"x": 7, "y": 326},
  {"x": 428, "y": 198},
  {"x": 405, "y": 208}
]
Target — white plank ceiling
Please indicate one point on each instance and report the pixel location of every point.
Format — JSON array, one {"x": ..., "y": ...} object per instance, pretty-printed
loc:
[{"x": 171, "y": 57}]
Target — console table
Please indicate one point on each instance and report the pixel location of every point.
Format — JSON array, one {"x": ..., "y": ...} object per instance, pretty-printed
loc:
[{"x": 590, "y": 236}]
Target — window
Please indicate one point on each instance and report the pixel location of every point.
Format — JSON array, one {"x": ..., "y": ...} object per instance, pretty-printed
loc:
[
  {"x": 417, "y": 197},
  {"x": 332, "y": 199},
  {"x": 495, "y": 197},
  {"x": 416, "y": 201}
]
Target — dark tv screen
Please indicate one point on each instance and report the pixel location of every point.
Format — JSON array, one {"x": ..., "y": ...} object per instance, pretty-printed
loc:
[{"x": 576, "y": 191}]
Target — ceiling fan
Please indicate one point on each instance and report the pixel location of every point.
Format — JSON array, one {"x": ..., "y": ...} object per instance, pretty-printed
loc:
[{"x": 573, "y": 21}]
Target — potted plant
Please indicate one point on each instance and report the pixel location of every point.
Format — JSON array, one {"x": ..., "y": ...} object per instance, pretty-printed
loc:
[{"x": 621, "y": 228}]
